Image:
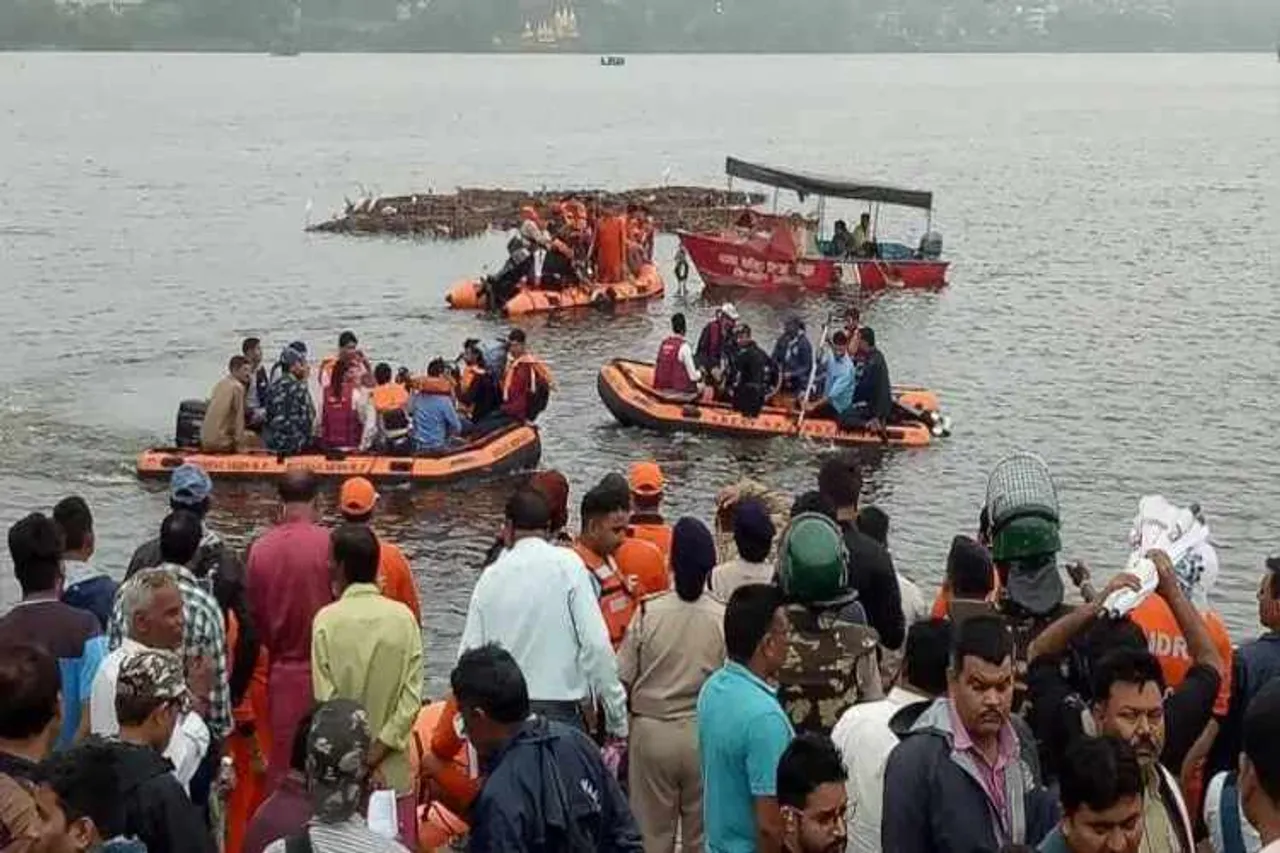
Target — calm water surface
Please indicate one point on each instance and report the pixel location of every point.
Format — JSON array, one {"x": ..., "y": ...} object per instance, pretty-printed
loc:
[{"x": 1114, "y": 304}]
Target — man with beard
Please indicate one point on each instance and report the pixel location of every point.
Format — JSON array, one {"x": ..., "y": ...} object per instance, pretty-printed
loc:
[
  {"x": 1101, "y": 793},
  {"x": 812, "y": 796},
  {"x": 1127, "y": 698},
  {"x": 965, "y": 776}
]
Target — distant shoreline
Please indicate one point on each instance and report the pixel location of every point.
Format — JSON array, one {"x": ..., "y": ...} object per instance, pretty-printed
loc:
[{"x": 977, "y": 50}]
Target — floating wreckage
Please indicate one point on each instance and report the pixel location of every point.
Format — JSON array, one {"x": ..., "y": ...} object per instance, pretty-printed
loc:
[{"x": 471, "y": 212}]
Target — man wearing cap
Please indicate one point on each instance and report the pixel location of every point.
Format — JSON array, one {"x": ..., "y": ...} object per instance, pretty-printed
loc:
[
  {"x": 367, "y": 648},
  {"x": 152, "y": 605},
  {"x": 753, "y": 533},
  {"x": 291, "y": 413},
  {"x": 224, "y": 429},
  {"x": 203, "y": 643},
  {"x": 793, "y": 354},
  {"x": 338, "y": 780},
  {"x": 646, "y": 483},
  {"x": 716, "y": 343},
  {"x": 288, "y": 580},
  {"x": 191, "y": 490},
  {"x": 831, "y": 657},
  {"x": 151, "y": 696},
  {"x": 356, "y": 502}
]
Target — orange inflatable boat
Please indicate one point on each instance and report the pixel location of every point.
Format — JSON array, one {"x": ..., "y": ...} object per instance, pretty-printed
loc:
[
  {"x": 467, "y": 295},
  {"x": 626, "y": 387},
  {"x": 439, "y": 826},
  {"x": 513, "y": 448}
]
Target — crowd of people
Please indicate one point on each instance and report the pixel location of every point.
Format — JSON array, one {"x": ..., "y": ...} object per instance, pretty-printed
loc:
[
  {"x": 847, "y": 381},
  {"x": 367, "y": 407},
  {"x": 772, "y": 682},
  {"x": 573, "y": 246}
]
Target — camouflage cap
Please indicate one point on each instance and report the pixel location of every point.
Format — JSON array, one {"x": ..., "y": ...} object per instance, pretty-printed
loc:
[
  {"x": 152, "y": 675},
  {"x": 337, "y": 758}
]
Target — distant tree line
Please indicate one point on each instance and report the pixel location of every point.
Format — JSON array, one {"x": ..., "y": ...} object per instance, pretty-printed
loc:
[{"x": 650, "y": 25}]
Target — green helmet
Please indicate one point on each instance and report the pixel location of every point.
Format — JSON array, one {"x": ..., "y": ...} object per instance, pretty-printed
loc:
[{"x": 813, "y": 563}]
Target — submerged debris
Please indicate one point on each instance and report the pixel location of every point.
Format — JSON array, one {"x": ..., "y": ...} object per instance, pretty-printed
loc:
[{"x": 470, "y": 212}]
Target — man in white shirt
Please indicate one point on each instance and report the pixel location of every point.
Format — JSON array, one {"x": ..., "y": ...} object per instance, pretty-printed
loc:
[
  {"x": 152, "y": 605},
  {"x": 1260, "y": 765},
  {"x": 753, "y": 533},
  {"x": 865, "y": 733},
  {"x": 537, "y": 602}
]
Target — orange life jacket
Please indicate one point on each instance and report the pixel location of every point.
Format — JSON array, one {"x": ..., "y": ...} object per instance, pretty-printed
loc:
[
  {"x": 617, "y": 599},
  {"x": 389, "y": 397},
  {"x": 644, "y": 566}
]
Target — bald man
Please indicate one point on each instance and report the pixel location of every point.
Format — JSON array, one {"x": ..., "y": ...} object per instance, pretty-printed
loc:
[{"x": 288, "y": 582}]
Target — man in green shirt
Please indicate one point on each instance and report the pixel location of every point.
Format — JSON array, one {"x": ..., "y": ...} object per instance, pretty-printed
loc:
[{"x": 346, "y": 638}]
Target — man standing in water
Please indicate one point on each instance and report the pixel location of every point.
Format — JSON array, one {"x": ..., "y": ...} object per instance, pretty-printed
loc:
[{"x": 288, "y": 581}]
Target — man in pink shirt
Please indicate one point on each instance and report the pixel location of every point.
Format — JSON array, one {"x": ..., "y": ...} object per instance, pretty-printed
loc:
[
  {"x": 965, "y": 775},
  {"x": 287, "y": 574}
]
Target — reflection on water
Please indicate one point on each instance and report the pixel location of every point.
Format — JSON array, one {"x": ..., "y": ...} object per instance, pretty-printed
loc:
[{"x": 1108, "y": 218}]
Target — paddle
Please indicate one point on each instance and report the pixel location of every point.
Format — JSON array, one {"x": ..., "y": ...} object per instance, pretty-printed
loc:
[{"x": 813, "y": 372}]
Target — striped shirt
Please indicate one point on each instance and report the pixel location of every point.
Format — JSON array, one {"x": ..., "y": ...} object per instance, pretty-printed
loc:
[
  {"x": 351, "y": 836},
  {"x": 204, "y": 635}
]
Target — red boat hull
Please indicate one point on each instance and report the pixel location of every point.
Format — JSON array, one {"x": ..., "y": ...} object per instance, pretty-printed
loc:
[{"x": 732, "y": 260}]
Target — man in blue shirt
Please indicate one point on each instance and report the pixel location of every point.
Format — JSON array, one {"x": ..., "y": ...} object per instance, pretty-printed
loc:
[
  {"x": 742, "y": 730},
  {"x": 838, "y": 385},
  {"x": 435, "y": 417},
  {"x": 72, "y": 636}
]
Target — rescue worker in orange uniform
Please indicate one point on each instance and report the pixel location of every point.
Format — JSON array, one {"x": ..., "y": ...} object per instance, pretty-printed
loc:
[
  {"x": 605, "y": 510},
  {"x": 390, "y": 400},
  {"x": 611, "y": 247},
  {"x": 644, "y": 567},
  {"x": 646, "y": 483},
  {"x": 249, "y": 743},
  {"x": 356, "y": 501}
]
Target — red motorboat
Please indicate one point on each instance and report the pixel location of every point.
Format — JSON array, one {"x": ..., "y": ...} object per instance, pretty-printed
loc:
[{"x": 767, "y": 251}]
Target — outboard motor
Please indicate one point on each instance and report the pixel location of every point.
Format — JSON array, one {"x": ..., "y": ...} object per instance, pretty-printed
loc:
[
  {"x": 931, "y": 246},
  {"x": 190, "y": 420}
]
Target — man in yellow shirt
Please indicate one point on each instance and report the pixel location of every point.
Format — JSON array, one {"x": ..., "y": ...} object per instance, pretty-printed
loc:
[{"x": 367, "y": 648}]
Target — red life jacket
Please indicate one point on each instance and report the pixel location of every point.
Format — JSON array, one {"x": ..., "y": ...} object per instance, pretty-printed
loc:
[
  {"x": 339, "y": 424},
  {"x": 668, "y": 372}
]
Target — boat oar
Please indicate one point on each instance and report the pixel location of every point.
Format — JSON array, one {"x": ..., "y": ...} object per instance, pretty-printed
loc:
[{"x": 813, "y": 372}]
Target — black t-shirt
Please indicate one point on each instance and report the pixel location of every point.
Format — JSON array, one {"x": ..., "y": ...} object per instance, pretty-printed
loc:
[{"x": 871, "y": 574}]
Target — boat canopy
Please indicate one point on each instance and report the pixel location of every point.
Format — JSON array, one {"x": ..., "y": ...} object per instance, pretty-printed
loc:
[{"x": 804, "y": 184}]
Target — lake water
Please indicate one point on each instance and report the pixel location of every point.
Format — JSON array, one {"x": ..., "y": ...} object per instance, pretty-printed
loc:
[{"x": 1113, "y": 222}]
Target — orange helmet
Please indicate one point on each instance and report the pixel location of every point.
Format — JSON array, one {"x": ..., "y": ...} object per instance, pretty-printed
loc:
[{"x": 643, "y": 565}]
